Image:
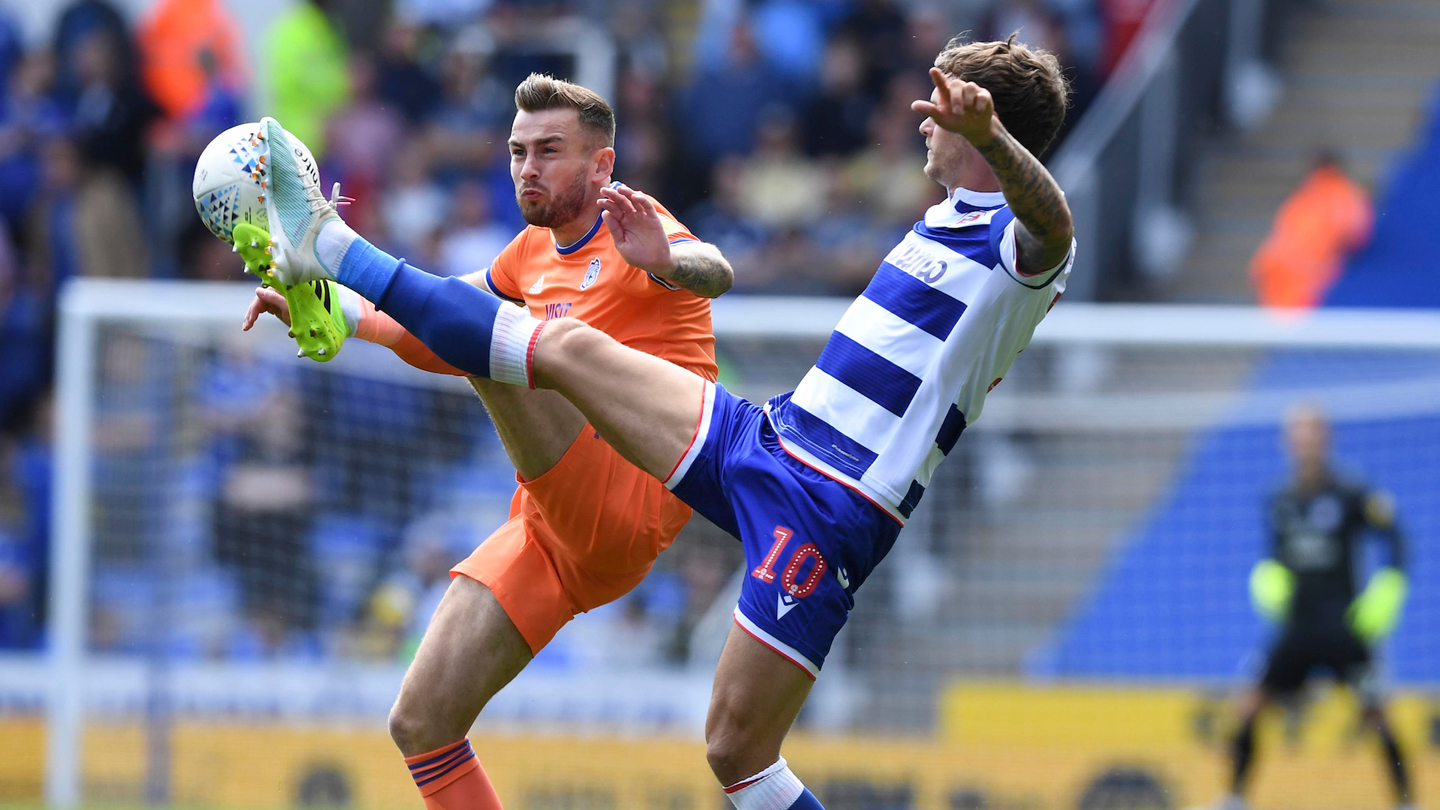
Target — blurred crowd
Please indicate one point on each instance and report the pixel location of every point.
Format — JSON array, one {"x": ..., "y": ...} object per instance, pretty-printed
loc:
[{"x": 778, "y": 129}]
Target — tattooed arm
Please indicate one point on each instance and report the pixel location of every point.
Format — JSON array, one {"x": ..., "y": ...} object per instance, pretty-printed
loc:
[
  {"x": 1044, "y": 227},
  {"x": 700, "y": 268}
]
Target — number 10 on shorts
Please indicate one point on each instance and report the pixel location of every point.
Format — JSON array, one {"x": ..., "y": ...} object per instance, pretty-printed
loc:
[{"x": 765, "y": 572}]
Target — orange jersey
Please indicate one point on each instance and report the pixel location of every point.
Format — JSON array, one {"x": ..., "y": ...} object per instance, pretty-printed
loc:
[{"x": 589, "y": 280}]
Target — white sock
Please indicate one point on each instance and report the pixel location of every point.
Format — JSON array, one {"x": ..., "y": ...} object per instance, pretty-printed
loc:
[
  {"x": 334, "y": 239},
  {"x": 775, "y": 788},
  {"x": 510, "y": 345}
]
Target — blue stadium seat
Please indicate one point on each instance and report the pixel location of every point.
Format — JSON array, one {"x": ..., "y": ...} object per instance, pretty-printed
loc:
[{"x": 1397, "y": 268}]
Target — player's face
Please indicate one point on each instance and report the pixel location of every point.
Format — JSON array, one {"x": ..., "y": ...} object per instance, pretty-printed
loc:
[
  {"x": 946, "y": 152},
  {"x": 556, "y": 168},
  {"x": 1308, "y": 437}
]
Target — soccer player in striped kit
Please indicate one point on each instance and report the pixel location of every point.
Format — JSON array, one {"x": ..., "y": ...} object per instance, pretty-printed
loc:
[{"x": 816, "y": 484}]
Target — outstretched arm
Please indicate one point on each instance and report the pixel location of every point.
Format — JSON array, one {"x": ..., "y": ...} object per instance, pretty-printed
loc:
[
  {"x": 1044, "y": 227},
  {"x": 640, "y": 236}
]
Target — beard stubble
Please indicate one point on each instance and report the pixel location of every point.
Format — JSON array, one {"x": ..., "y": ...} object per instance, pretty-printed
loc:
[{"x": 563, "y": 208}]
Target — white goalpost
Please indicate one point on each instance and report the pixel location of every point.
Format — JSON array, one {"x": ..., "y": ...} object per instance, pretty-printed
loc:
[{"x": 155, "y": 464}]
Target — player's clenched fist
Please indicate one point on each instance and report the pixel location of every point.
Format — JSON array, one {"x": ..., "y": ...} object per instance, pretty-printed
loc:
[{"x": 959, "y": 106}]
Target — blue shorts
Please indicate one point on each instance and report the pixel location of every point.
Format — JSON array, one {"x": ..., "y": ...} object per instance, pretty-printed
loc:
[{"x": 809, "y": 540}]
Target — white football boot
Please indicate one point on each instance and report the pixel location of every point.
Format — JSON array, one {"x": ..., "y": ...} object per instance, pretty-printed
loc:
[{"x": 297, "y": 208}]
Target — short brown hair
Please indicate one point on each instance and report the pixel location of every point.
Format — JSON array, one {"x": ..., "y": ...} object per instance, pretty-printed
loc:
[
  {"x": 541, "y": 92},
  {"x": 1029, "y": 90}
]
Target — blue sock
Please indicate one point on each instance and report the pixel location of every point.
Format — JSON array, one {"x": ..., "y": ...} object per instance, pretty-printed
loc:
[
  {"x": 457, "y": 320},
  {"x": 366, "y": 269}
]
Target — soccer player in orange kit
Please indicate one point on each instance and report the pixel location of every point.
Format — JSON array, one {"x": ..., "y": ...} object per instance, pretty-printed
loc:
[{"x": 586, "y": 525}]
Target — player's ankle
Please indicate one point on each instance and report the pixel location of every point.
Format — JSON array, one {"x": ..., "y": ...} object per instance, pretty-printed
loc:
[{"x": 332, "y": 243}]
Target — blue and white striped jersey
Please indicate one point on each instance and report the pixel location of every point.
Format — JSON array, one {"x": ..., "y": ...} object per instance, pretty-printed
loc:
[{"x": 910, "y": 363}]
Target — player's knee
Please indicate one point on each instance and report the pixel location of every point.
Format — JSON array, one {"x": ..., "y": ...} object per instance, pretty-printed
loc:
[
  {"x": 567, "y": 344},
  {"x": 735, "y": 748},
  {"x": 413, "y": 731},
  {"x": 404, "y": 727},
  {"x": 726, "y": 757},
  {"x": 572, "y": 338}
]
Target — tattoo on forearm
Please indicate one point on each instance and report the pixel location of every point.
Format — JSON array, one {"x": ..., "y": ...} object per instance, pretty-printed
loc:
[
  {"x": 703, "y": 274},
  {"x": 1034, "y": 197}
]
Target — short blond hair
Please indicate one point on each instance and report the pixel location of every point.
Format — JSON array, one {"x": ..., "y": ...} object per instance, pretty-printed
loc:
[
  {"x": 1029, "y": 89},
  {"x": 542, "y": 92}
]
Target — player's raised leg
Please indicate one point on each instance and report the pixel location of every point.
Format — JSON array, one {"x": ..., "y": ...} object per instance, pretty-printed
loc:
[{"x": 647, "y": 408}]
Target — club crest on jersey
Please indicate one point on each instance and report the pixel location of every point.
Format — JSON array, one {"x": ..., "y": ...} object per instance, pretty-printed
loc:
[{"x": 591, "y": 273}]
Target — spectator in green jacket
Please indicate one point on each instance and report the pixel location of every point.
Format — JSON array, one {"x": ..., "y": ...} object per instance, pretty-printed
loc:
[{"x": 309, "y": 78}]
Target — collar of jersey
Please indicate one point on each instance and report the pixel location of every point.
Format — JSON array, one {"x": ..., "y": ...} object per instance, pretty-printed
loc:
[
  {"x": 977, "y": 199},
  {"x": 579, "y": 243}
]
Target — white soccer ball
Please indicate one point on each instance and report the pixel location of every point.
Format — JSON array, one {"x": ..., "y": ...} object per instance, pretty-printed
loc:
[{"x": 231, "y": 180}]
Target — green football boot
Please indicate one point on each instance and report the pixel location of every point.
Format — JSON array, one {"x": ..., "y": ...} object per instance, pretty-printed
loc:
[{"x": 316, "y": 320}]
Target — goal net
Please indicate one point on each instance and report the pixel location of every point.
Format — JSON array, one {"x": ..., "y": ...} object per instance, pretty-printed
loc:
[{"x": 247, "y": 547}]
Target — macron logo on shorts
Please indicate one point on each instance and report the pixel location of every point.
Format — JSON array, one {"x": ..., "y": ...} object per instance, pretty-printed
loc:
[{"x": 785, "y": 603}]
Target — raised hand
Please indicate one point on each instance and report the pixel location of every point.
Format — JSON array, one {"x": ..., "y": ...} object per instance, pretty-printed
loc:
[
  {"x": 637, "y": 229},
  {"x": 962, "y": 107}
]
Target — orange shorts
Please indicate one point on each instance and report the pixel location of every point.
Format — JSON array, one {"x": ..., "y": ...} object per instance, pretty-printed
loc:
[{"x": 581, "y": 535}]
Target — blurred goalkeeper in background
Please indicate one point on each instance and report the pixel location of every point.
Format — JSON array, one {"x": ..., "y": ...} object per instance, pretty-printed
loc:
[{"x": 1308, "y": 586}]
